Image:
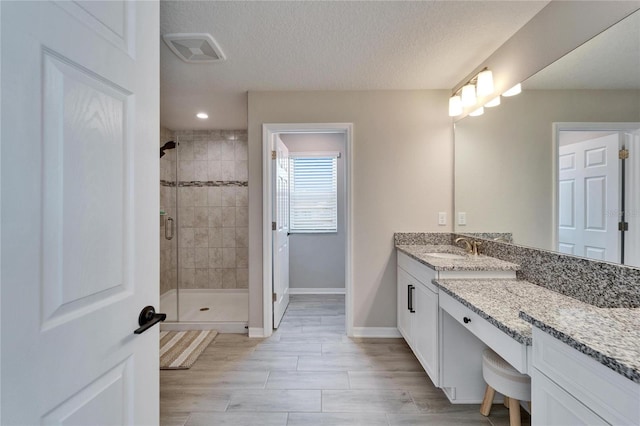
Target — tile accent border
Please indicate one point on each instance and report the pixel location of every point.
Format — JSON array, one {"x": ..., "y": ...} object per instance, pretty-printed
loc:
[{"x": 200, "y": 183}]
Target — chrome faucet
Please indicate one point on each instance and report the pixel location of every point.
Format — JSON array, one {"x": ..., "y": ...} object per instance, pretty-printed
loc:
[{"x": 471, "y": 245}]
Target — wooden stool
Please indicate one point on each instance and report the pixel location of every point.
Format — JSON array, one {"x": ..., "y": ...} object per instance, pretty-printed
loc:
[{"x": 502, "y": 377}]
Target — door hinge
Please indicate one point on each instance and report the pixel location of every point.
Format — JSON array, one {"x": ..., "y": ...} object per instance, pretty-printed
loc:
[
  {"x": 623, "y": 226},
  {"x": 275, "y": 297},
  {"x": 623, "y": 154},
  {"x": 273, "y": 155},
  {"x": 273, "y": 226}
]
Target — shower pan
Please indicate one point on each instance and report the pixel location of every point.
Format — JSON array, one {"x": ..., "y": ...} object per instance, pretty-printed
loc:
[{"x": 204, "y": 230}]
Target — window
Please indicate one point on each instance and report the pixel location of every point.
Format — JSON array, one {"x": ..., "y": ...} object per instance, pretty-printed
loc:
[{"x": 313, "y": 187}]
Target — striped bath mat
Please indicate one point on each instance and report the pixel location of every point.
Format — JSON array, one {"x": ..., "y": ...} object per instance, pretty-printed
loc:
[{"x": 180, "y": 349}]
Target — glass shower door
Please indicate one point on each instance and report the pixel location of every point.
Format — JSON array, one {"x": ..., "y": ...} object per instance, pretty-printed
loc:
[{"x": 168, "y": 226}]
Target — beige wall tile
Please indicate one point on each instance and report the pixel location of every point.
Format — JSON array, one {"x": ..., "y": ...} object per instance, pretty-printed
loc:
[
  {"x": 227, "y": 170},
  {"x": 215, "y": 258},
  {"x": 229, "y": 216},
  {"x": 229, "y": 278},
  {"x": 201, "y": 237},
  {"x": 201, "y": 257},
  {"x": 201, "y": 278},
  {"x": 200, "y": 150},
  {"x": 229, "y": 237},
  {"x": 200, "y": 217},
  {"x": 229, "y": 258},
  {"x": 215, "y": 237}
]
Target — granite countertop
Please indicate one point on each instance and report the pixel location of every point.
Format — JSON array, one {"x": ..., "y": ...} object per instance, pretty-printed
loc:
[
  {"x": 609, "y": 335},
  {"x": 469, "y": 263}
]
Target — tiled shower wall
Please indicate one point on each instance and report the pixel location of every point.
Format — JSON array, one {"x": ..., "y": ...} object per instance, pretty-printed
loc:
[
  {"x": 168, "y": 248},
  {"x": 212, "y": 223}
]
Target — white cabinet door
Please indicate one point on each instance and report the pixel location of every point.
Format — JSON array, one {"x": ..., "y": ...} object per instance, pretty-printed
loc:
[
  {"x": 80, "y": 198},
  {"x": 425, "y": 331},
  {"x": 405, "y": 281},
  {"x": 555, "y": 407}
]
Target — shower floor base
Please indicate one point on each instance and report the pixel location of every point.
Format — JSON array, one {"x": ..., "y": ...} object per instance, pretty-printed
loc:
[{"x": 224, "y": 310}]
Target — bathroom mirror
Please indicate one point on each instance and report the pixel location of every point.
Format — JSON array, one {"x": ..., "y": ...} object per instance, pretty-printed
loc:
[{"x": 527, "y": 166}]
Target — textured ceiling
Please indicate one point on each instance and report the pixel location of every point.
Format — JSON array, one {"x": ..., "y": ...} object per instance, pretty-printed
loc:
[
  {"x": 308, "y": 45},
  {"x": 610, "y": 60}
]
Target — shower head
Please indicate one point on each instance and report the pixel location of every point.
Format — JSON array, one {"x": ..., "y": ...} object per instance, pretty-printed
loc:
[{"x": 168, "y": 145}]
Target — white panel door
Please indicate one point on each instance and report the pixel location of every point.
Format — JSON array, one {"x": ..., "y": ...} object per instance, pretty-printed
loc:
[
  {"x": 632, "y": 200},
  {"x": 80, "y": 215},
  {"x": 588, "y": 198},
  {"x": 281, "y": 237}
]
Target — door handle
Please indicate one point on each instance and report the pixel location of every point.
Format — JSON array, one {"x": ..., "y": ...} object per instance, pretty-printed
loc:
[
  {"x": 148, "y": 318},
  {"x": 410, "y": 297},
  {"x": 168, "y": 235}
]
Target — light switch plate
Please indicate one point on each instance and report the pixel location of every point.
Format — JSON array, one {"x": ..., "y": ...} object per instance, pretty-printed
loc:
[
  {"x": 462, "y": 218},
  {"x": 442, "y": 218}
]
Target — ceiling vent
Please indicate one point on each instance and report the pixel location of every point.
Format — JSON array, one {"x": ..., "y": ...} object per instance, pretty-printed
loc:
[{"x": 194, "y": 48}]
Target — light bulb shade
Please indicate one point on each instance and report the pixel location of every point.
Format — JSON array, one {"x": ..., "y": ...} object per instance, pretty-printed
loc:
[
  {"x": 455, "y": 106},
  {"x": 477, "y": 112},
  {"x": 485, "y": 83},
  {"x": 468, "y": 95},
  {"x": 513, "y": 91},
  {"x": 493, "y": 102}
]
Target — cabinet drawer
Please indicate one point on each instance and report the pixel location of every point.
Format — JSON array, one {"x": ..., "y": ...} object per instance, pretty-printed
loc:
[
  {"x": 514, "y": 352},
  {"x": 419, "y": 271},
  {"x": 555, "y": 407},
  {"x": 610, "y": 395}
]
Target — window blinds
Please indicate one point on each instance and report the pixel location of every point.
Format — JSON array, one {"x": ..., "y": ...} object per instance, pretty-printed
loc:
[{"x": 313, "y": 188}]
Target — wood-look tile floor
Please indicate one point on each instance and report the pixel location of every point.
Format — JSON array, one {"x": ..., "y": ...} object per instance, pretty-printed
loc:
[{"x": 310, "y": 373}]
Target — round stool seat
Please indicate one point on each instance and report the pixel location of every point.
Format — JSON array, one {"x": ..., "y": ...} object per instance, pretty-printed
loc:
[{"x": 502, "y": 377}]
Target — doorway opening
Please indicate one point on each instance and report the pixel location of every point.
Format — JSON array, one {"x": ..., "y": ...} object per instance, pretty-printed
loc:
[
  {"x": 597, "y": 210},
  {"x": 307, "y": 222}
]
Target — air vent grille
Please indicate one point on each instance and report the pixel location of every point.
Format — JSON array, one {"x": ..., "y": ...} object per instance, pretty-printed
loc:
[{"x": 194, "y": 48}]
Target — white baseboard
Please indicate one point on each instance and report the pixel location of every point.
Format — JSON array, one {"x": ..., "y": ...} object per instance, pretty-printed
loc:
[
  {"x": 316, "y": 290},
  {"x": 256, "y": 332},
  {"x": 379, "y": 332}
]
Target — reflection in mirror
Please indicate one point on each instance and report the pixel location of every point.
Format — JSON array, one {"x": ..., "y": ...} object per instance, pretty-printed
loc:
[{"x": 512, "y": 165}]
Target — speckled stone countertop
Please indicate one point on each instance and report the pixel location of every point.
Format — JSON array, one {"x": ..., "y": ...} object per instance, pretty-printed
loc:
[
  {"x": 469, "y": 263},
  {"x": 609, "y": 335}
]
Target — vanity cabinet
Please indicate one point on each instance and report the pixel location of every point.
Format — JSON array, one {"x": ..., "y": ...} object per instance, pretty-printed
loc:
[
  {"x": 418, "y": 312},
  {"x": 448, "y": 350},
  {"x": 569, "y": 387}
]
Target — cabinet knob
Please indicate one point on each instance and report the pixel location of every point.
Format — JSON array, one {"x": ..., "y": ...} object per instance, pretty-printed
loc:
[{"x": 466, "y": 320}]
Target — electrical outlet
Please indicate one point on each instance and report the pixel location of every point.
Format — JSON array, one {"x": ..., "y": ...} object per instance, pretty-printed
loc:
[
  {"x": 442, "y": 218},
  {"x": 462, "y": 218}
]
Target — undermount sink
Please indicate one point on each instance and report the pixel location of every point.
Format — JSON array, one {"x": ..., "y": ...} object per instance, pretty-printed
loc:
[{"x": 447, "y": 255}]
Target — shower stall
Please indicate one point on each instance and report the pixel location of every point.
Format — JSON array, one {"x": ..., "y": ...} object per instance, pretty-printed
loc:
[{"x": 204, "y": 230}]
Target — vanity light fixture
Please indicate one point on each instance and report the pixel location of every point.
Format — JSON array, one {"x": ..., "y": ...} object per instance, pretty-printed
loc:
[
  {"x": 485, "y": 83},
  {"x": 493, "y": 102},
  {"x": 468, "y": 95},
  {"x": 202, "y": 115},
  {"x": 479, "y": 86},
  {"x": 455, "y": 106},
  {"x": 513, "y": 91},
  {"x": 477, "y": 112}
]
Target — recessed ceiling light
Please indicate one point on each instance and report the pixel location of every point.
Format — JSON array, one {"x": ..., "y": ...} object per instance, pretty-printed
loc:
[{"x": 202, "y": 115}]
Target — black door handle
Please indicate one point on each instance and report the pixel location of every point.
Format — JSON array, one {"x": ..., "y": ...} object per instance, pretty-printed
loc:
[
  {"x": 148, "y": 318},
  {"x": 410, "y": 297}
]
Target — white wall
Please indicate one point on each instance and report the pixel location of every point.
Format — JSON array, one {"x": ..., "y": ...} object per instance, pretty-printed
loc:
[
  {"x": 505, "y": 158},
  {"x": 318, "y": 260},
  {"x": 402, "y": 168}
]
